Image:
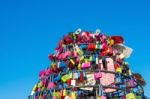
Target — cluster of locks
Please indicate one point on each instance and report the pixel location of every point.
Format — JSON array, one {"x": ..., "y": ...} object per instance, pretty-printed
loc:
[{"x": 88, "y": 65}]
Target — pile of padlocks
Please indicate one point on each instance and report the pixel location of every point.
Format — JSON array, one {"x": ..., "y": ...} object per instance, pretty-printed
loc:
[{"x": 88, "y": 65}]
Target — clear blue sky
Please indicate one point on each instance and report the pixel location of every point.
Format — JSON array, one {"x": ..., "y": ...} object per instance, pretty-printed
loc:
[{"x": 30, "y": 30}]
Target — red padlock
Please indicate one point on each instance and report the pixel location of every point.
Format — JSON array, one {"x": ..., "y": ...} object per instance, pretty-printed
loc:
[{"x": 116, "y": 66}]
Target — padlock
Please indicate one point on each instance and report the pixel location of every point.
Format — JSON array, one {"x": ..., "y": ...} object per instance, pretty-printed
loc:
[
  {"x": 97, "y": 75},
  {"x": 110, "y": 42},
  {"x": 73, "y": 95},
  {"x": 57, "y": 78},
  {"x": 97, "y": 60},
  {"x": 116, "y": 65},
  {"x": 75, "y": 54},
  {"x": 131, "y": 96},
  {"x": 98, "y": 46},
  {"x": 91, "y": 47},
  {"x": 42, "y": 74},
  {"x": 72, "y": 61},
  {"x": 65, "y": 78},
  {"x": 83, "y": 46},
  {"x": 48, "y": 71},
  {"x": 35, "y": 88},
  {"x": 62, "y": 64},
  {"x": 56, "y": 95},
  {"x": 79, "y": 51},
  {"x": 81, "y": 77},
  {"x": 117, "y": 39},
  {"x": 139, "y": 97},
  {"x": 51, "y": 83},
  {"x": 79, "y": 66},
  {"x": 40, "y": 84},
  {"x": 86, "y": 65},
  {"x": 118, "y": 78},
  {"x": 119, "y": 70},
  {"x": 65, "y": 93},
  {"x": 131, "y": 82}
]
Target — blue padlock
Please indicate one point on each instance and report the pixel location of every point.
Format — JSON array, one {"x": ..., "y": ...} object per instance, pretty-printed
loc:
[{"x": 57, "y": 78}]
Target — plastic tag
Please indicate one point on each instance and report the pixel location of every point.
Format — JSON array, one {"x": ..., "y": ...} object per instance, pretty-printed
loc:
[
  {"x": 96, "y": 60},
  {"x": 73, "y": 82},
  {"x": 75, "y": 75}
]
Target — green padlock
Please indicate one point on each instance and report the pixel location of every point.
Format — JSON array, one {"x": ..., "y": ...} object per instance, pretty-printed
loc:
[
  {"x": 40, "y": 84},
  {"x": 56, "y": 94},
  {"x": 65, "y": 78}
]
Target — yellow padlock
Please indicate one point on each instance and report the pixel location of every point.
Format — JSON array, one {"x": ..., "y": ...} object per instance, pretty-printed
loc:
[
  {"x": 85, "y": 60},
  {"x": 99, "y": 97},
  {"x": 131, "y": 96},
  {"x": 79, "y": 66},
  {"x": 73, "y": 95},
  {"x": 110, "y": 42},
  {"x": 64, "y": 92},
  {"x": 35, "y": 88},
  {"x": 119, "y": 70},
  {"x": 90, "y": 59},
  {"x": 71, "y": 60},
  {"x": 81, "y": 58}
]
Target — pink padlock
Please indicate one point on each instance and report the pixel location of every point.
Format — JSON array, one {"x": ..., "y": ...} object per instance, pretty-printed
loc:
[
  {"x": 48, "y": 71},
  {"x": 86, "y": 65},
  {"x": 42, "y": 74},
  {"x": 51, "y": 85},
  {"x": 39, "y": 89},
  {"x": 75, "y": 54},
  {"x": 97, "y": 75},
  {"x": 67, "y": 53},
  {"x": 54, "y": 97}
]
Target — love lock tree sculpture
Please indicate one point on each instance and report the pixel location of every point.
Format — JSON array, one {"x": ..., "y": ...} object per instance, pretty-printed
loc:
[{"x": 89, "y": 65}]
